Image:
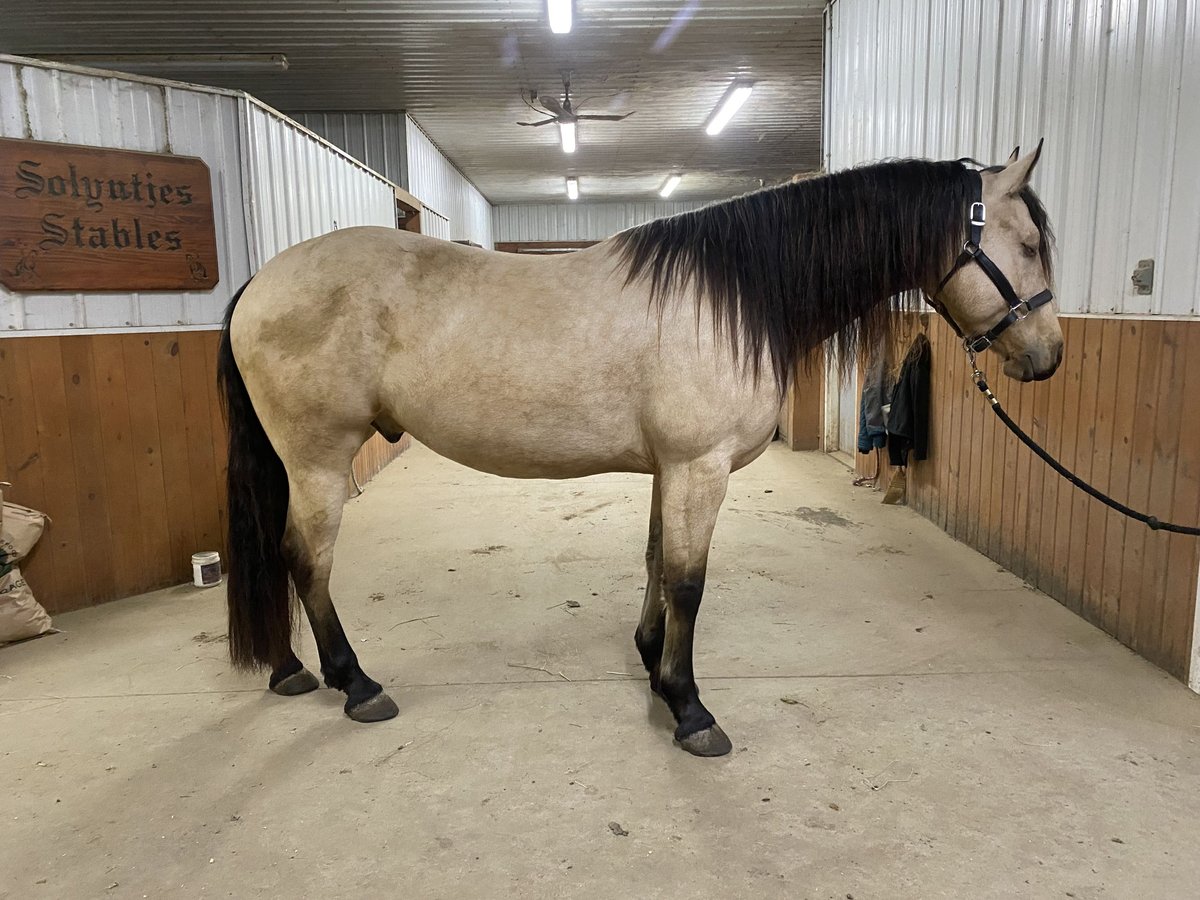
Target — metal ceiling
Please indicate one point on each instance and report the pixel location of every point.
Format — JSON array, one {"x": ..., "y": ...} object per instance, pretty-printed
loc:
[{"x": 458, "y": 67}]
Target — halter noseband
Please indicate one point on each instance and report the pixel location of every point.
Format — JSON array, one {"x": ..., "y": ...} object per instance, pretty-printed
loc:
[{"x": 972, "y": 250}]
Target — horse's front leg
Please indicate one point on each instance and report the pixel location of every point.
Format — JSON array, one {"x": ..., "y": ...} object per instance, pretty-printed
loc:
[
  {"x": 691, "y": 495},
  {"x": 651, "y": 629}
]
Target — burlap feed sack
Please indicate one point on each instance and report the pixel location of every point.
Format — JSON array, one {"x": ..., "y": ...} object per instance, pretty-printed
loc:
[
  {"x": 21, "y": 616},
  {"x": 21, "y": 529}
]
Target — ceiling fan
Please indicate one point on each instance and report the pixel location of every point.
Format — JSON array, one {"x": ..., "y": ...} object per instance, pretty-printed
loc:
[{"x": 563, "y": 112}]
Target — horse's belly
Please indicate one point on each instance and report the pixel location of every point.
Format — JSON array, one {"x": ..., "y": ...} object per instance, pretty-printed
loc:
[{"x": 530, "y": 441}]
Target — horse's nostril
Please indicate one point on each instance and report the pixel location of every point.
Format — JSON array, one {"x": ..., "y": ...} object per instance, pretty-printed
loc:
[{"x": 1058, "y": 355}]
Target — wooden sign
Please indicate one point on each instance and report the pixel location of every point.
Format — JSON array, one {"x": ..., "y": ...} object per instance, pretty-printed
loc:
[{"x": 92, "y": 219}]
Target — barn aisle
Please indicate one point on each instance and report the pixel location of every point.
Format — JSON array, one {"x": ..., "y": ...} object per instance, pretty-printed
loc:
[{"x": 908, "y": 720}]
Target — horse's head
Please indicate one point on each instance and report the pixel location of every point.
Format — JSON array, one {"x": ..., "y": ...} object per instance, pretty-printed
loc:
[{"x": 1000, "y": 297}]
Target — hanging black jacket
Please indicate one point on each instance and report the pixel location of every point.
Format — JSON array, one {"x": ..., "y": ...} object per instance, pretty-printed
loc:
[{"x": 908, "y": 419}]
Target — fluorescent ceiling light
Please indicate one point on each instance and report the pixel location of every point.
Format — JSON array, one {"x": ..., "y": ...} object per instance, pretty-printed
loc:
[
  {"x": 559, "y": 13},
  {"x": 176, "y": 62},
  {"x": 730, "y": 104},
  {"x": 572, "y": 188},
  {"x": 669, "y": 185},
  {"x": 566, "y": 131}
]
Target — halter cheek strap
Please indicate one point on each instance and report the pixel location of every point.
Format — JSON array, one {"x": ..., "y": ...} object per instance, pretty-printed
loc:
[{"x": 972, "y": 251}]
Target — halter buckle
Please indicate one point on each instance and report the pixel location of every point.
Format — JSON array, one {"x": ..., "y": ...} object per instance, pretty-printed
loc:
[
  {"x": 978, "y": 214},
  {"x": 976, "y": 344}
]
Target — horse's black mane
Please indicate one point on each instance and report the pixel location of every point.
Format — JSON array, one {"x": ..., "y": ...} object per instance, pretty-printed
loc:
[{"x": 831, "y": 256}]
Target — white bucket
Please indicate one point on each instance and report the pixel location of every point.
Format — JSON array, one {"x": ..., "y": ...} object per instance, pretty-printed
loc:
[{"x": 206, "y": 569}]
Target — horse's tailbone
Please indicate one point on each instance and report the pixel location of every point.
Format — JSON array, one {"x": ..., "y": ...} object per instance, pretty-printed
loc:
[{"x": 261, "y": 607}]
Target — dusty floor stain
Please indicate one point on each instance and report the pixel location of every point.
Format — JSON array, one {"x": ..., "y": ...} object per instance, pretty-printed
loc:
[{"x": 821, "y": 516}]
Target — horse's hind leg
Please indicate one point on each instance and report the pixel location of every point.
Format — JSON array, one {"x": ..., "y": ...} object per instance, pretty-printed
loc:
[
  {"x": 650, "y": 631},
  {"x": 691, "y": 498},
  {"x": 291, "y": 678},
  {"x": 314, "y": 516}
]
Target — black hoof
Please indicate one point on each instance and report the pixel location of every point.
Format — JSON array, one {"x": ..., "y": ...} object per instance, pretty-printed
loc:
[
  {"x": 379, "y": 708},
  {"x": 297, "y": 683},
  {"x": 711, "y": 741}
]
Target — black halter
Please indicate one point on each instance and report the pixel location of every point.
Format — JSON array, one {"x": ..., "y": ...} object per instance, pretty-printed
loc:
[{"x": 972, "y": 250}]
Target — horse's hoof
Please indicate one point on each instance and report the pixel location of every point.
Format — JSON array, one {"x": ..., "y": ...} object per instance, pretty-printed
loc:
[
  {"x": 297, "y": 683},
  {"x": 711, "y": 741},
  {"x": 376, "y": 709}
]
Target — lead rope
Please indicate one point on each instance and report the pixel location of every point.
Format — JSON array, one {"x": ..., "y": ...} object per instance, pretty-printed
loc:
[{"x": 1152, "y": 521}]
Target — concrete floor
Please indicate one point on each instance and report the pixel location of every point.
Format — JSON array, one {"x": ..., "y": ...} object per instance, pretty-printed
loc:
[{"x": 908, "y": 721}]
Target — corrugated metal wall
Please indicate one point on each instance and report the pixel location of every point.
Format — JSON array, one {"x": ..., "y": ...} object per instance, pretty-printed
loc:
[
  {"x": 44, "y": 103},
  {"x": 375, "y": 138},
  {"x": 1110, "y": 84},
  {"x": 459, "y": 211},
  {"x": 578, "y": 221},
  {"x": 298, "y": 188}
]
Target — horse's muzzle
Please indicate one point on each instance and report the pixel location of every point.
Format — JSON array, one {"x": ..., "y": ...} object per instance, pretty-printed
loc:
[{"x": 1035, "y": 365}]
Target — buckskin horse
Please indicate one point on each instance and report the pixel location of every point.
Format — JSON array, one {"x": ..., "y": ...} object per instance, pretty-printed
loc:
[{"x": 663, "y": 350}]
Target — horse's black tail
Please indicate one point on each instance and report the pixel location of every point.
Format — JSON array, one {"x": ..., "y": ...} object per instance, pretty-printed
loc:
[{"x": 261, "y": 602}]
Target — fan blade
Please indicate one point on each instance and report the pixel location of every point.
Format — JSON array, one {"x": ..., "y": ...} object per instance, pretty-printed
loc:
[
  {"x": 551, "y": 104},
  {"x": 599, "y": 118},
  {"x": 536, "y": 124}
]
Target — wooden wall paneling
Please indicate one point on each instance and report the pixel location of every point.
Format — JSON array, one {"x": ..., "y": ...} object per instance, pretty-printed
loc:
[
  {"x": 20, "y": 464},
  {"x": 1088, "y": 580},
  {"x": 1081, "y": 463},
  {"x": 968, "y": 495},
  {"x": 1035, "y": 497},
  {"x": 1163, "y": 464},
  {"x": 1023, "y": 460},
  {"x": 1058, "y": 562},
  {"x": 120, "y": 440},
  {"x": 985, "y": 436},
  {"x": 1138, "y": 494},
  {"x": 1051, "y": 483},
  {"x": 1011, "y": 531},
  {"x": 57, "y": 459},
  {"x": 150, "y": 480},
  {"x": 1085, "y": 442},
  {"x": 87, "y": 443},
  {"x": 219, "y": 437},
  {"x": 974, "y": 440},
  {"x": 1183, "y": 554},
  {"x": 1049, "y": 422},
  {"x": 1121, "y": 451},
  {"x": 198, "y": 395},
  {"x": 994, "y": 435},
  {"x": 120, "y": 476},
  {"x": 173, "y": 435}
]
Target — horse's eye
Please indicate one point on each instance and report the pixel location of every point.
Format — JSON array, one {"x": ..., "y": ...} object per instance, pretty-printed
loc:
[{"x": 1029, "y": 251}]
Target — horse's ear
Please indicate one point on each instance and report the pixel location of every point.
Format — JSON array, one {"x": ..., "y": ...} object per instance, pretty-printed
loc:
[
  {"x": 1016, "y": 174},
  {"x": 1012, "y": 157}
]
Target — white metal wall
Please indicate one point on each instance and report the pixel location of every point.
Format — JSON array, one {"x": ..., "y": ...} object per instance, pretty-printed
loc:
[
  {"x": 459, "y": 211},
  {"x": 274, "y": 183},
  {"x": 1110, "y": 84},
  {"x": 578, "y": 221},
  {"x": 298, "y": 187},
  {"x": 44, "y": 103},
  {"x": 375, "y": 138}
]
